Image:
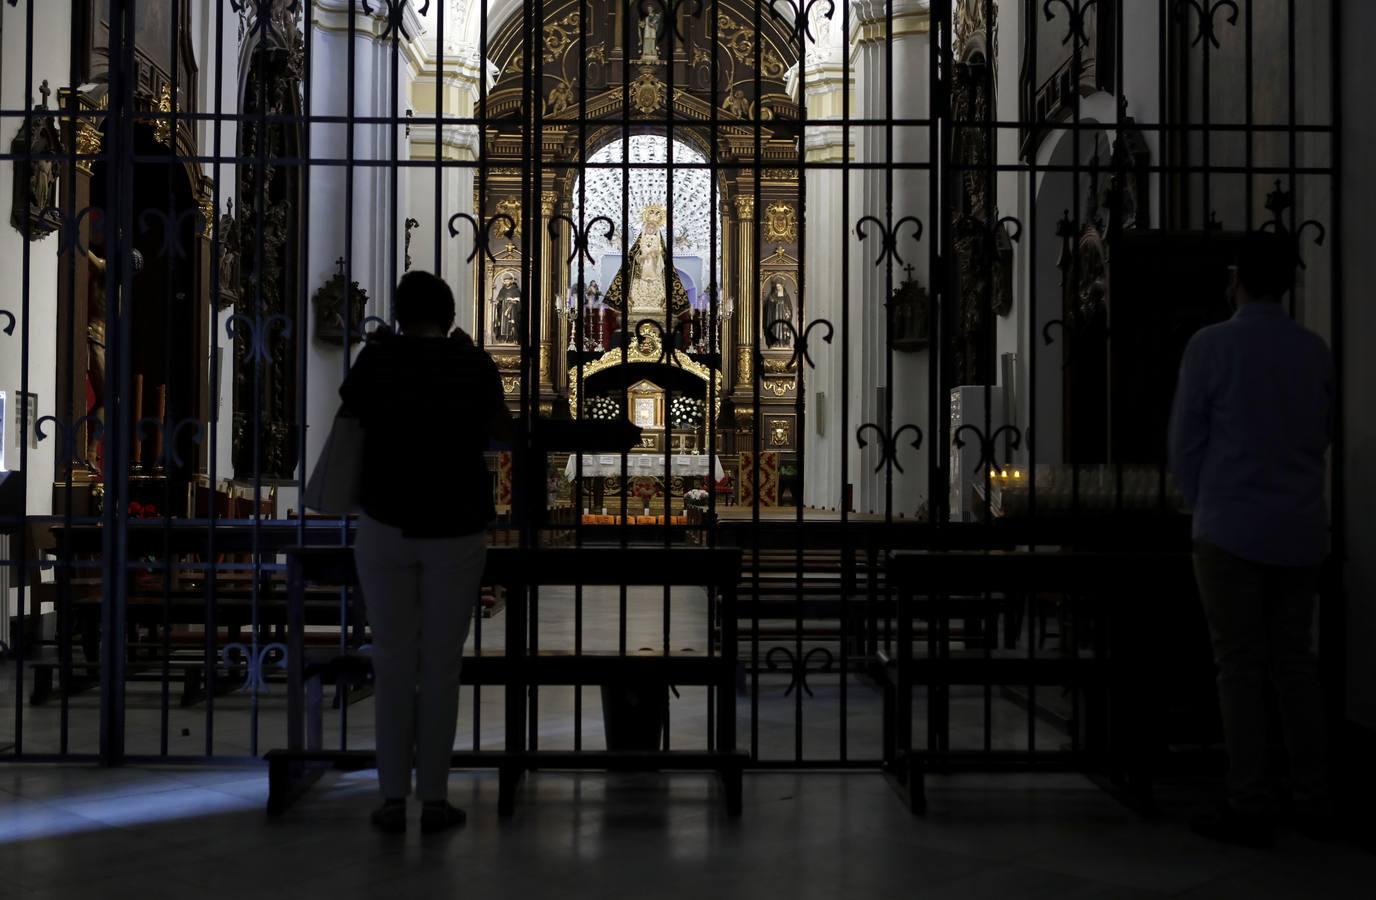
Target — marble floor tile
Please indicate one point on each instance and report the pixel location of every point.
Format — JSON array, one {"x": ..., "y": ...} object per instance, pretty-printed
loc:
[{"x": 586, "y": 835}]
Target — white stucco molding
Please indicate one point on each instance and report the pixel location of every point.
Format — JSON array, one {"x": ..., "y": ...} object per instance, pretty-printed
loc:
[
  {"x": 869, "y": 20},
  {"x": 825, "y": 143},
  {"x": 456, "y": 141}
]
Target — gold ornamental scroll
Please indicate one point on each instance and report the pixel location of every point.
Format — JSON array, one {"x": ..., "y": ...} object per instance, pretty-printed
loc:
[{"x": 647, "y": 347}]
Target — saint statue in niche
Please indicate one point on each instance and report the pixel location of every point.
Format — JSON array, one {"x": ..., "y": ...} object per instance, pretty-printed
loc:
[
  {"x": 649, "y": 35},
  {"x": 35, "y": 182},
  {"x": 778, "y": 310},
  {"x": 506, "y": 310}
]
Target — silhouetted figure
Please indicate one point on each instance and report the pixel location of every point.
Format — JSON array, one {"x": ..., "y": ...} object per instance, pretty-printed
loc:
[
  {"x": 1249, "y": 433},
  {"x": 429, "y": 404}
]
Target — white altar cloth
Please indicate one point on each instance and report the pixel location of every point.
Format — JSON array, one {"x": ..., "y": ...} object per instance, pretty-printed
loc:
[{"x": 642, "y": 465}]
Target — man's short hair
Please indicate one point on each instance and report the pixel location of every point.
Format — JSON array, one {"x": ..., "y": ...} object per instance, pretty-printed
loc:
[
  {"x": 1266, "y": 264},
  {"x": 422, "y": 299}
]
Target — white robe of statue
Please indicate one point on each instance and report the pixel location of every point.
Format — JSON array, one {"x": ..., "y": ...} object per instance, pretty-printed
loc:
[{"x": 647, "y": 282}]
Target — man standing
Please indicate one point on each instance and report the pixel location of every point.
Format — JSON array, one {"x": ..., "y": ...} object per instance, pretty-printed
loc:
[{"x": 1249, "y": 434}]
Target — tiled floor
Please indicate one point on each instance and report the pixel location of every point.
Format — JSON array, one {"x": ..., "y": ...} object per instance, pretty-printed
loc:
[{"x": 165, "y": 833}]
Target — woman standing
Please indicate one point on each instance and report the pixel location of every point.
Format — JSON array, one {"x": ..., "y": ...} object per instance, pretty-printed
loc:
[{"x": 429, "y": 405}]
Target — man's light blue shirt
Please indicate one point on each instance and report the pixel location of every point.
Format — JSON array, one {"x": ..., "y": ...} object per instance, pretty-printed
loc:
[{"x": 1249, "y": 434}]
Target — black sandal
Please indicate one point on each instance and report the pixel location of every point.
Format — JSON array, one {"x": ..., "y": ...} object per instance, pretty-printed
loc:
[
  {"x": 390, "y": 817},
  {"x": 439, "y": 816}
]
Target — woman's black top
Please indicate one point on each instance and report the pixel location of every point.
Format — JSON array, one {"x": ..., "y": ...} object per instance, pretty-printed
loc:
[{"x": 427, "y": 406}]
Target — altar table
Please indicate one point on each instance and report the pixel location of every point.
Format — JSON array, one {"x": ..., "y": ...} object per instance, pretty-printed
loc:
[{"x": 643, "y": 465}]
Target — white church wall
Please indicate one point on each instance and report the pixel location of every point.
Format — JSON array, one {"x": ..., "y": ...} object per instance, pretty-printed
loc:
[
  {"x": 451, "y": 180},
  {"x": 1141, "y": 86},
  {"x": 890, "y": 196},
  {"x": 823, "y": 482},
  {"x": 1010, "y": 331},
  {"x": 218, "y": 94},
  {"x": 49, "y": 59},
  {"x": 360, "y": 225}
]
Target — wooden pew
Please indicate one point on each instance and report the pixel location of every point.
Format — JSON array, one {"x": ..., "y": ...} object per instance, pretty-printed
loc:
[
  {"x": 294, "y": 768},
  {"x": 1121, "y": 588}
]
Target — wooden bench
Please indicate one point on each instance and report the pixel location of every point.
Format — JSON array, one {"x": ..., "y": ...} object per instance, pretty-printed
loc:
[
  {"x": 294, "y": 768},
  {"x": 933, "y": 585}
]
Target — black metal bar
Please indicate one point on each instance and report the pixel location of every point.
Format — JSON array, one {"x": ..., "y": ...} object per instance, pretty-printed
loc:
[
  {"x": 1333, "y": 648},
  {"x": 118, "y": 227},
  {"x": 26, "y": 283},
  {"x": 848, "y": 552}
]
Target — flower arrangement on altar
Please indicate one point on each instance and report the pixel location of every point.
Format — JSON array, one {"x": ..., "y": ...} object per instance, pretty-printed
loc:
[
  {"x": 644, "y": 489},
  {"x": 139, "y": 510},
  {"x": 603, "y": 409},
  {"x": 696, "y": 498},
  {"x": 687, "y": 412}
]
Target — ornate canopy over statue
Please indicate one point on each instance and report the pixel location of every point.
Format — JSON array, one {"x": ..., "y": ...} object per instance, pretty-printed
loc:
[{"x": 647, "y": 265}]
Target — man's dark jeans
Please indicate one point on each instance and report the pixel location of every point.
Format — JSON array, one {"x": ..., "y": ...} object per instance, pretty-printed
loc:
[{"x": 1261, "y": 619}]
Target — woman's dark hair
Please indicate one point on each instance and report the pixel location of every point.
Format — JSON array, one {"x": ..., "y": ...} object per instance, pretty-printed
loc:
[
  {"x": 1266, "y": 264},
  {"x": 422, "y": 299}
]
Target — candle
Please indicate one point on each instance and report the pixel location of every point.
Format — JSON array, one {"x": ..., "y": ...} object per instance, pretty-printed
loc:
[
  {"x": 162, "y": 422},
  {"x": 136, "y": 458}
]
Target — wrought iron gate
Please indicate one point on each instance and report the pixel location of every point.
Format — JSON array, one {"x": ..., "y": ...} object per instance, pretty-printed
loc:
[{"x": 909, "y": 295}]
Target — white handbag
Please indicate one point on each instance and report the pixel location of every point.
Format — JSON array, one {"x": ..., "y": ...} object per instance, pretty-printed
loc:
[{"x": 336, "y": 485}]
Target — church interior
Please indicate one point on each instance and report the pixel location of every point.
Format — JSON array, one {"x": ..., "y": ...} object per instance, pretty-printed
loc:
[{"x": 840, "y": 341}]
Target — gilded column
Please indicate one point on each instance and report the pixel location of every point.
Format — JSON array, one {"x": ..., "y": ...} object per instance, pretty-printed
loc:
[
  {"x": 745, "y": 289},
  {"x": 549, "y": 287}
]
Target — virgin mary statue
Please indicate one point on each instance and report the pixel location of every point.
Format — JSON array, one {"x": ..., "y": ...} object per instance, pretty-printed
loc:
[{"x": 647, "y": 290}]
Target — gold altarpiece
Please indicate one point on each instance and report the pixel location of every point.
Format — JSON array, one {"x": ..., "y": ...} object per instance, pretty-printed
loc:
[{"x": 585, "y": 79}]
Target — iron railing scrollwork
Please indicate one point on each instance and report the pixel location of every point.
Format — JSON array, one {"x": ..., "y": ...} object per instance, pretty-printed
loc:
[
  {"x": 1207, "y": 14},
  {"x": 799, "y": 668},
  {"x": 988, "y": 444},
  {"x": 482, "y": 233},
  {"x": 257, "y": 332},
  {"x": 71, "y": 435},
  {"x": 256, "y": 660},
  {"x": 802, "y": 16},
  {"x": 395, "y": 14},
  {"x": 579, "y": 237},
  {"x": 1077, "y": 10},
  {"x": 888, "y": 237},
  {"x": 888, "y": 443},
  {"x": 167, "y": 435}
]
